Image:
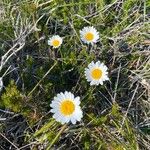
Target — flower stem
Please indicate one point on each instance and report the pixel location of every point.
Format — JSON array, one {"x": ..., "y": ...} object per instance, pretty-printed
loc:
[
  {"x": 57, "y": 136},
  {"x": 41, "y": 79}
]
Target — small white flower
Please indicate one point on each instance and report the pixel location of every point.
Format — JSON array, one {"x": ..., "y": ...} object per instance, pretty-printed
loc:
[
  {"x": 89, "y": 35},
  {"x": 66, "y": 108},
  {"x": 96, "y": 73},
  {"x": 55, "y": 41}
]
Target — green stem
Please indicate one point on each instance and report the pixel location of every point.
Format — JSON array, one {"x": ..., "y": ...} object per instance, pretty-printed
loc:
[
  {"x": 41, "y": 79},
  {"x": 57, "y": 136}
]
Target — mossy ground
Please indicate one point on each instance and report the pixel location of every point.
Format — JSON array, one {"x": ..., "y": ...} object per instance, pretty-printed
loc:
[{"x": 116, "y": 115}]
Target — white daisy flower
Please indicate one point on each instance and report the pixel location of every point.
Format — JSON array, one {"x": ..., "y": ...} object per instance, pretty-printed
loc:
[
  {"x": 89, "y": 35},
  {"x": 96, "y": 73},
  {"x": 55, "y": 41},
  {"x": 66, "y": 108}
]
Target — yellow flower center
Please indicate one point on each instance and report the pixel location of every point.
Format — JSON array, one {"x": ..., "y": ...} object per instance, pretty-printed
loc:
[
  {"x": 89, "y": 36},
  {"x": 67, "y": 107},
  {"x": 96, "y": 74},
  {"x": 56, "y": 43}
]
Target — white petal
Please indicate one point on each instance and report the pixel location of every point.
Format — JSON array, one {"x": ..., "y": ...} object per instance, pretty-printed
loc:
[
  {"x": 54, "y": 104},
  {"x": 78, "y": 114},
  {"x": 71, "y": 96},
  {"x": 101, "y": 82},
  {"x": 73, "y": 120},
  {"x": 77, "y": 100},
  {"x": 63, "y": 95}
]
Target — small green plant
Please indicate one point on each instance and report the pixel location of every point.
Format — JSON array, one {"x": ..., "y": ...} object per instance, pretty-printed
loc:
[
  {"x": 15, "y": 101},
  {"x": 12, "y": 98}
]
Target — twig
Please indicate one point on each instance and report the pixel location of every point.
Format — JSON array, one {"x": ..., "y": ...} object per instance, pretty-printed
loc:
[
  {"x": 144, "y": 9},
  {"x": 2, "y": 119},
  {"x": 25, "y": 146},
  {"x": 9, "y": 141},
  {"x": 124, "y": 118},
  {"x": 41, "y": 5},
  {"x": 116, "y": 86},
  {"x": 7, "y": 112}
]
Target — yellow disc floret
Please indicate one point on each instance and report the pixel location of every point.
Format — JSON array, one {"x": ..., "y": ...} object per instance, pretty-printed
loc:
[
  {"x": 96, "y": 74},
  {"x": 89, "y": 36},
  {"x": 56, "y": 43},
  {"x": 67, "y": 107}
]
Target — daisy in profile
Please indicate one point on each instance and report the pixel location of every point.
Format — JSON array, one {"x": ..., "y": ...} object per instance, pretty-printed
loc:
[
  {"x": 96, "y": 73},
  {"x": 89, "y": 35},
  {"x": 66, "y": 108},
  {"x": 55, "y": 41}
]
